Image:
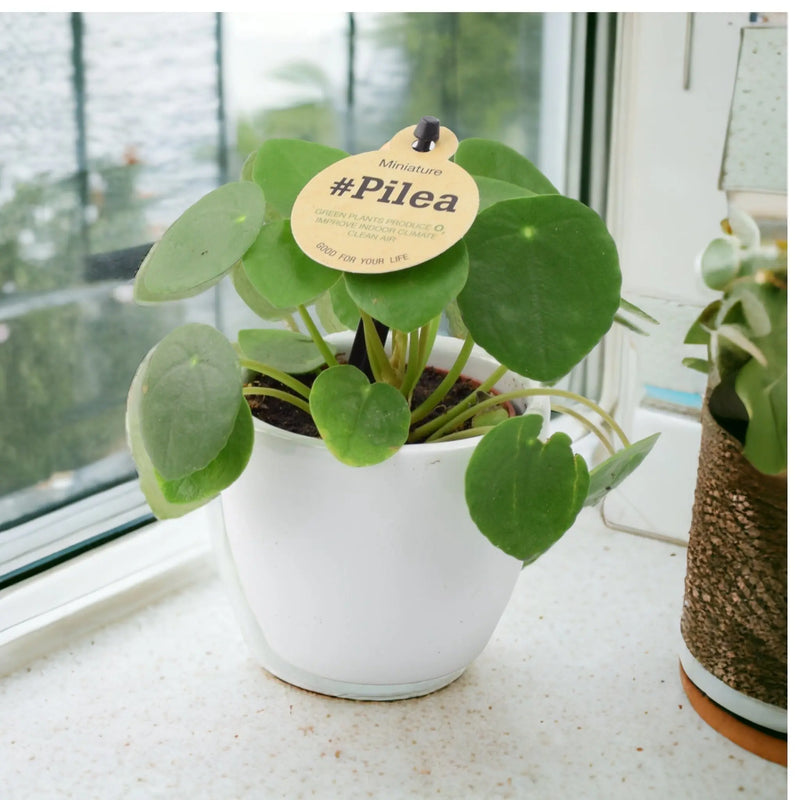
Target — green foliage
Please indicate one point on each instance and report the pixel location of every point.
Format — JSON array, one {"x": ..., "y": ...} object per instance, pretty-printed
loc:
[
  {"x": 199, "y": 248},
  {"x": 287, "y": 351},
  {"x": 191, "y": 392},
  {"x": 281, "y": 272},
  {"x": 535, "y": 281},
  {"x": 524, "y": 494},
  {"x": 610, "y": 473},
  {"x": 362, "y": 423},
  {"x": 557, "y": 254},
  {"x": 407, "y": 299},
  {"x": 498, "y": 162},
  {"x": 745, "y": 333}
]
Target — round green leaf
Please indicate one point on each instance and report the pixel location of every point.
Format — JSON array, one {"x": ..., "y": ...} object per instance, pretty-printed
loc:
[
  {"x": 522, "y": 493},
  {"x": 492, "y": 191},
  {"x": 282, "y": 167},
  {"x": 495, "y": 160},
  {"x": 287, "y": 351},
  {"x": 719, "y": 263},
  {"x": 190, "y": 397},
  {"x": 343, "y": 305},
  {"x": 610, "y": 473},
  {"x": 361, "y": 423},
  {"x": 323, "y": 305},
  {"x": 544, "y": 283},
  {"x": 410, "y": 298},
  {"x": 201, "y": 486},
  {"x": 281, "y": 272},
  {"x": 149, "y": 481},
  {"x": 202, "y": 244},
  {"x": 255, "y": 301}
]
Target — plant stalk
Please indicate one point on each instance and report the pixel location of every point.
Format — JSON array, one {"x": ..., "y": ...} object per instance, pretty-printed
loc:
[
  {"x": 277, "y": 393},
  {"x": 467, "y": 403},
  {"x": 412, "y": 367},
  {"x": 276, "y": 374},
  {"x": 499, "y": 399},
  {"x": 322, "y": 345},
  {"x": 447, "y": 383},
  {"x": 586, "y": 423},
  {"x": 378, "y": 360}
]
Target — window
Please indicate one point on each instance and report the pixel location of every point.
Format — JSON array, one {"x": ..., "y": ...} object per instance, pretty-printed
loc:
[
  {"x": 111, "y": 124},
  {"x": 110, "y": 127},
  {"x": 676, "y": 72}
]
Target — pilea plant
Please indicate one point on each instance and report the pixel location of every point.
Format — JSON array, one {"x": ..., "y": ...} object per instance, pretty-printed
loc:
[
  {"x": 745, "y": 335},
  {"x": 535, "y": 282}
]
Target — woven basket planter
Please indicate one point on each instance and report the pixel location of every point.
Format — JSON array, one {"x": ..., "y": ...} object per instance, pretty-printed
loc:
[{"x": 734, "y": 621}]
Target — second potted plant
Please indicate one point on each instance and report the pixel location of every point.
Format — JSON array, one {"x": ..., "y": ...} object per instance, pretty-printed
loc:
[{"x": 377, "y": 516}]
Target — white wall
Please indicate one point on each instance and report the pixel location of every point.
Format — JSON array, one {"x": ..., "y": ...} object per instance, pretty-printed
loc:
[{"x": 667, "y": 145}]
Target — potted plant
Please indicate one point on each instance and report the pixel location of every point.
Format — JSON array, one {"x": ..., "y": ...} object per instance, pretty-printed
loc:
[
  {"x": 375, "y": 561},
  {"x": 734, "y": 621}
]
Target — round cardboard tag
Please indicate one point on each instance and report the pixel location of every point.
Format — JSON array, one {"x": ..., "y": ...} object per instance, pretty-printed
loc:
[{"x": 388, "y": 209}]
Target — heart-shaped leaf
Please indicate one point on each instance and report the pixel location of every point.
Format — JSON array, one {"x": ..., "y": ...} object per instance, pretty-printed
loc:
[
  {"x": 408, "y": 299},
  {"x": 498, "y": 161},
  {"x": 547, "y": 267},
  {"x": 199, "y": 248},
  {"x": 281, "y": 272},
  {"x": 287, "y": 351},
  {"x": 190, "y": 397},
  {"x": 362, "y": 423},
  {"x": 282, "y": 167},
  {"x": 522, "y": 493},
  {"x": 610, "y": 473}
]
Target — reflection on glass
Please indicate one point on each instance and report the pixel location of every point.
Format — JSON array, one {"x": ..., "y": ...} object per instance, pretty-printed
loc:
[{"x": 110, "y": 127}]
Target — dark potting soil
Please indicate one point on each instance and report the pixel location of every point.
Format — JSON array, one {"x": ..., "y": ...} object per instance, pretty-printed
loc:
[{"x": 290, "y": 418}]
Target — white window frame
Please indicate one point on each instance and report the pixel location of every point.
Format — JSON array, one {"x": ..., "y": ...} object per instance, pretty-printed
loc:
[{"x": 674, "y": 82}]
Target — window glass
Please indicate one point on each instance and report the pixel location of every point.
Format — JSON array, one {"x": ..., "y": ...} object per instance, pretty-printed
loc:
[
  {"x": 353, "y": 80},
  {"x": 109, "y": 127}
]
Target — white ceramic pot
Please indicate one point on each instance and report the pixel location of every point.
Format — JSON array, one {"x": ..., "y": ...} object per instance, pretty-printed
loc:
[{"x": 371, "y": 582}]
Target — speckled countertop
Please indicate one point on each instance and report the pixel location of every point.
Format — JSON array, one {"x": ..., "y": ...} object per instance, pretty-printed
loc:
[{"x": 577, "y": 696}]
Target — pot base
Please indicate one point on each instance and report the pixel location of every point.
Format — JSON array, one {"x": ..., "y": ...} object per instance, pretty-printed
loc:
[
  {"x": 272, "y": 663},
  {"x": 759, "y": 741},
  {"x": 356, "y": 691}
]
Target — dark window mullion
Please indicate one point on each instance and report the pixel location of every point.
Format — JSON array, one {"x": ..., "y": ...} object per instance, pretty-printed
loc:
[{"x": 81, "y": 150}]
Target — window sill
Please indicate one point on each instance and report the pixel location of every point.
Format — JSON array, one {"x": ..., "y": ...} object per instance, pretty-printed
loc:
[
  {"x": 44, "y": 612},
  {"x": 577, "y": 695}
]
